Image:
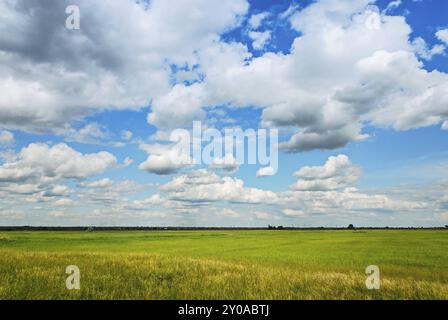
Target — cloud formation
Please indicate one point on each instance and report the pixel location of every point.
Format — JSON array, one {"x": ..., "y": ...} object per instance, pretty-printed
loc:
[
  {"x": 337, "y": 173},
  {"x": 202, "y": 186},
  {"x": 341, "y": 73},
  {"x": 115, "y": 60},
  {"x": 349, "y": 66},
  {"x": 41, "y": 168}
]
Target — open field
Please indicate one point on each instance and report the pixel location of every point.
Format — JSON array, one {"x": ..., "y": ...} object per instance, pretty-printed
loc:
[{"x": 225, "y": 264}]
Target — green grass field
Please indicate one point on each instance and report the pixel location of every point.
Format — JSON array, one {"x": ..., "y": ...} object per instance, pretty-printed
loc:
[{"x": 224, "y": 264}]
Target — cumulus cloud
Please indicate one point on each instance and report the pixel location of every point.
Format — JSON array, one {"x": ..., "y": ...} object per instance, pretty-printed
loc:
[
  {"x": 57, "y": 191},
  {"x": 153, "y": 200},
  {"x": 442, "y": 35},
  {"x": 64, "y": 202},
  {"x": 127, "y": 162},
  {"x": 340, "y": 74},
  {"x": 348, "y": 202},
  {"x": 256, "y": 20},
  {"x": 200, "y": 194},
  {"x": 260, "y": 39},
  {"x": 103, "y": 183},
  {"x": 392, "y": 5},
  {"x": 227, "y": 163},
  {"x": 337, "y": 173},
  {"x": 422, "y": 49},
  {"x": 41, "y": 167},
  {"x": 115, "y": 60},
  {"x": 290, "y": 11},
  {"x": 126, "y": 135},
  {"x": 266, "y": 171},
  {"x": 165, "y": 159},
  {"x": 179, "y": 107},
  {"x": 204, "y": 186},
  {"x": 294, "y": 213},
  {"x": 91, "y": 133}
]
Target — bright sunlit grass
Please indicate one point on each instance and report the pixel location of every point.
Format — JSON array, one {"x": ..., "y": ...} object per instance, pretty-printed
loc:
[{"x": 224, "y": 264}]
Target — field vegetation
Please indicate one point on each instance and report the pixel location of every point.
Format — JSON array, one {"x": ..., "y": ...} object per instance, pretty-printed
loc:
[{"x": 224, "y": 264}]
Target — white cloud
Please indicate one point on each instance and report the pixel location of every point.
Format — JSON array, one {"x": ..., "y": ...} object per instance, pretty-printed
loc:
[
  {"x": 348, "y": 203},
  {"x": 203, "y": 186},
  {"x": 164, "y": 159},
  {"x": 64, "y": 202},
  {"x": 289, "y": 12},
  {"x": 337, "y": 173},
  {"x": 6, "y": 137},
  {"x": 421, "y": 48},
  {"x": 392, "y": 6},
  {"x": 127, "y": 162},
  {"x": 57, "y": 191},
  {"x": 153, "y": 200},
  {"x": 442, "y": 35},
  {"x": 199, "y": 195},
  {"x": 40, "y": 168},
  {"x": 91, "y": 133},
  {"x": 256, "y": 20},
  {"x": 179, "y": 107},
  {"x": 294, "y": 213},
  {"x": 226, "y": 212},
  {"x": 62, "y": 161},
  {"x": 115, "y": 61},
  {"x": 227, "y": 163},
  {"x": 126, "y": 135},
  {"x": 339, "y": 75},
  {"x": 265, "y": 172},
  {"x": 259, "y": 39},
  {"x": 103, "y": 183}
]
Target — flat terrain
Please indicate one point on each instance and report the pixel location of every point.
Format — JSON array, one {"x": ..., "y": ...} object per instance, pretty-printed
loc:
[{"x": 224, "y": 264}]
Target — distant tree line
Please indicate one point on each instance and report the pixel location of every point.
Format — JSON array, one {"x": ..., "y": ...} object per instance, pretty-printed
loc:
[{"x": 270, "y": 227}]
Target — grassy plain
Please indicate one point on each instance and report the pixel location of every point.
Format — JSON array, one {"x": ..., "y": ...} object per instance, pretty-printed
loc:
[{"x": 224, "y": 264}]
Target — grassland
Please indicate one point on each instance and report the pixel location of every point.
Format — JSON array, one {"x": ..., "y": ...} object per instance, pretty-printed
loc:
[{"x": 224, "y": 264}]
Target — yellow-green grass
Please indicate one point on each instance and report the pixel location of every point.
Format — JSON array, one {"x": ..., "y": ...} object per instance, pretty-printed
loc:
[{"x": 224, "y": 264}]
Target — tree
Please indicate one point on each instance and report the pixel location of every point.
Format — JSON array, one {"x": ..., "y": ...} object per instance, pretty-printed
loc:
[{"x": 351, "y": 227}]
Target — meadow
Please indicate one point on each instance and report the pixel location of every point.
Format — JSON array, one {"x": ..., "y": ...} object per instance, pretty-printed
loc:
[{"x": 225, "y": 264}]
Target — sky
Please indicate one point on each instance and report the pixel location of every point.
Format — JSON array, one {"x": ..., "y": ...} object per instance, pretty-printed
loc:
[{"x": 357, "y": 89}]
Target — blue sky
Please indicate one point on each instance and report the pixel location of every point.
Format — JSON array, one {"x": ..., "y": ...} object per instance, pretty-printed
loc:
[{"x": 111, "y": 93}]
